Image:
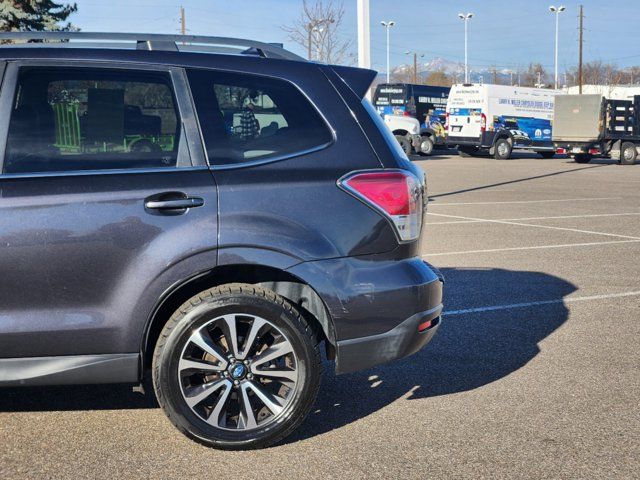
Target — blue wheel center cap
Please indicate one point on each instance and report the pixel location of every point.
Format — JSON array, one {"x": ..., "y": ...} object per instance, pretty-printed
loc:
[{"x": 237, "y": 371}]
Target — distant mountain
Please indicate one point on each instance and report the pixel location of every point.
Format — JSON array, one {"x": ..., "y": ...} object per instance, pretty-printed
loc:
[{"x": 456, "y": 69}]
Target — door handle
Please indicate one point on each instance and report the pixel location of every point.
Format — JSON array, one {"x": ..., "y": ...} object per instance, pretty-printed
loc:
[{"x": 176, "y": 204}]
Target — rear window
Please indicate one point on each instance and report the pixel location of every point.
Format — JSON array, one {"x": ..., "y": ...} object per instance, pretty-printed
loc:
[
  {"x": 70, "y": 119},
  {"x": 247, "y": 118}
]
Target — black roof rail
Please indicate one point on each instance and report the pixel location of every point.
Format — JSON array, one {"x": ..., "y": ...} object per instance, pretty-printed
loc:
[{"x": 148, "y": 41}]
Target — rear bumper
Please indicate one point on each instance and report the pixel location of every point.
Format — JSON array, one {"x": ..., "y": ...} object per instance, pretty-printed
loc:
[
  {"x": 376, "y": 305},
  {"x": 454, "y": 141},
  {"x": 403, "y": 340}
]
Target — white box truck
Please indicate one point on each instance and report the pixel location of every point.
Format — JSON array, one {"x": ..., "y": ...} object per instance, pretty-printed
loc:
[{"x": 497, "y": 119}]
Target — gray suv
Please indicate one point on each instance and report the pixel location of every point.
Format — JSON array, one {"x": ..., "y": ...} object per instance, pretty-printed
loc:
[{"x": 209, "y": 212}]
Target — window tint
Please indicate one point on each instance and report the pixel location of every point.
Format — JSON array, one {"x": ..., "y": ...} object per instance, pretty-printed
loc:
[
  {"x": 91, "y": 119},
  {"x": 248, "y": 117}
]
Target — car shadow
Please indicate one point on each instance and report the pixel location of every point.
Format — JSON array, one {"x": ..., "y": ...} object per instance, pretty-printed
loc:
[{"x": 470, "y": 350}]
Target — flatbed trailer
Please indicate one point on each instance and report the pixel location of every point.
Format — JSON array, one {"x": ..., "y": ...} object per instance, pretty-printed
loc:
[{"x": 585, "y": 126}]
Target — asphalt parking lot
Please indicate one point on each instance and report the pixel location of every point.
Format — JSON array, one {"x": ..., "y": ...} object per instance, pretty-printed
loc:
[{"x": 535, "y": 372}]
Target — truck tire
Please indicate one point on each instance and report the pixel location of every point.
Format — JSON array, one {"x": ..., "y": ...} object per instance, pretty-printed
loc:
[
  {"x": 502, "y": 149},
  {"x": 582, "y": 158},
  {"x": 426, "y": 146},
  {"x": 547, "y": 154},
  {"x": 405, "y": 144},
  {"x": 628, "y": 153}
]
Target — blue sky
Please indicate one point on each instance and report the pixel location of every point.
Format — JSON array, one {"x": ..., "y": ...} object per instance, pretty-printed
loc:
[{"x": 506, "y": 34}]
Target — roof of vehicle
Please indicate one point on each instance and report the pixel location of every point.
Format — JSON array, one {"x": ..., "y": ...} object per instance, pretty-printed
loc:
[
  {"x": 176, "y": 50},
  {"x": 146, "y": 41}
]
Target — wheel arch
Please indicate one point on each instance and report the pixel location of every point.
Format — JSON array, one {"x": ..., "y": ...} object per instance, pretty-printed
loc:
[{"x": 280, "y": 281}]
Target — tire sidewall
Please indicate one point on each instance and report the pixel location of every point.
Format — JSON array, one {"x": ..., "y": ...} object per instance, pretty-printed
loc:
[
  {"x": 405, "y": 144},
  {"x": 626, "y": 146},
  {"x": 497, "y": 154},
  {"x": 165, "y": 372},
  {"x": 429, "y": 149}
]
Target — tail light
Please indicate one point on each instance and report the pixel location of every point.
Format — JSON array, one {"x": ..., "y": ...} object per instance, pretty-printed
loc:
[
  {"x": 397, "y": 194},
  {"x": 446, "y": 121},
  {"x": 406, "y": 113},
  {"x": 561, "y": 151},
  {"x": 483, "y": 122},
  {"x": 594, "y": 151}
]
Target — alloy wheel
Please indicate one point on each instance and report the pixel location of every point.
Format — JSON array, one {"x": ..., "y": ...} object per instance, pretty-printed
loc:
[{"x": 238, "y": 372}]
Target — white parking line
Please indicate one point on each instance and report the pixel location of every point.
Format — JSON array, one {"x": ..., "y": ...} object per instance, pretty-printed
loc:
[
  {"x": 549, "y": 227},
  {"x": 455, "y": 222},
  {"x": 493, "y": 308},
  {"x": 435, "y": 204},
  {"x": 536, "y": 247}
]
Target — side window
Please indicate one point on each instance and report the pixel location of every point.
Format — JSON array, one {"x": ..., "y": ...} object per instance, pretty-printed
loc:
[
  {"x": 249, "y": 117},
  {"x": 70, "y": 119}
]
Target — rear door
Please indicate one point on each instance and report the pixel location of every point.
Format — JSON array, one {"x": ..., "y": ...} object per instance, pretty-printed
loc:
[
  {"x": 104, "y": 189},
  {"x": 465, "y": 108}
]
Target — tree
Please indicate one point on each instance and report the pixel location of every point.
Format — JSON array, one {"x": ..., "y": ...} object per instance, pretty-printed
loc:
[
  {"x": 35, "y": 15},
  {"x": 495, "y": 78},
  {"x": 439, "y": 78},
  {"x": 317, "y": 29},
  {"x": 534, "y": 72}
]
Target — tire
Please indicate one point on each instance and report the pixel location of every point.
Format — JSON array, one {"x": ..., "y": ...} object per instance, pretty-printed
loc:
[
  {"x": 582, "y": 158},
  {"x": 502, "y": 149},
  {"x": 405, "y": 144},
  {"x": 547, "y": 154},
  {"x": 426, "y": 146},
  {"x": 252, "y": 408},
  {"x": 628, "y": 154}
]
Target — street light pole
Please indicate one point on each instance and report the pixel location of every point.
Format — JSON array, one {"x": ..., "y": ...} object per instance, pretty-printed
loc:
[
  {"x": 465, "y": 17},
  {"x": 388, "y": 26},
  {"x": 557, "y": 12}
]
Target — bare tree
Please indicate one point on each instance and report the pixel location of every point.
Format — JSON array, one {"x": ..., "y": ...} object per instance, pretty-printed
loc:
[
  {"x": 495, "y": 78},
  {"x": 403, "y": 75},
  {"x": 534, "y": 76},
  {"x": 439, "y": 78},
  {"x": 318, "y": 30}
]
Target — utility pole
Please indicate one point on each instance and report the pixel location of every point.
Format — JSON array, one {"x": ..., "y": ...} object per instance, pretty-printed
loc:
[
  {"x": 415, "y": 64},
  {"x": 580, "y": 51},
  {"x": 183, "y": 22}
]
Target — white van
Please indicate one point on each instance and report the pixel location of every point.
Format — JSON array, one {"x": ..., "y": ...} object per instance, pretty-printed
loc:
[{"x": 499, "y": 118}]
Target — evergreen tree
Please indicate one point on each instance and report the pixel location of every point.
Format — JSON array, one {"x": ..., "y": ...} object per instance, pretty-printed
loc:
[{"x": 35, "y": 15}]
